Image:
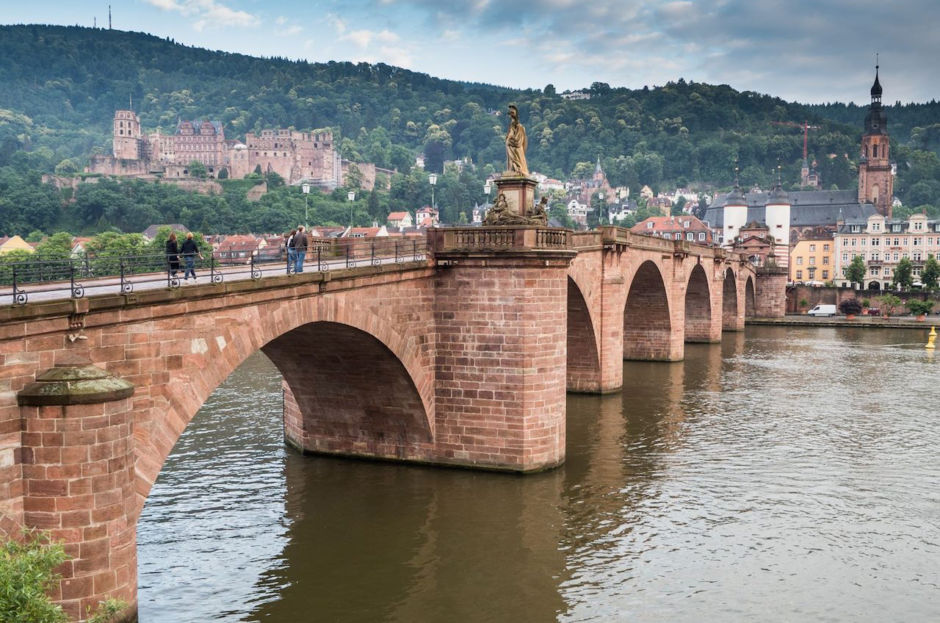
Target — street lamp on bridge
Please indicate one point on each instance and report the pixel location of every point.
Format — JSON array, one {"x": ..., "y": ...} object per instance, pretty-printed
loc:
[
  {"x": 351, "y": 196},
  {"x": 306, "y": 190},
  {"x": 432, "y": 180}
]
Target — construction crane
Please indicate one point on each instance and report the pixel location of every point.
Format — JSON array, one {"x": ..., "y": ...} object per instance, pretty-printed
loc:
[{"x": 806, "y": 128}]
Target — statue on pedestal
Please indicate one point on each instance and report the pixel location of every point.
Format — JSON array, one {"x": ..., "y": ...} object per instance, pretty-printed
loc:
[
  {"x": 516, "y": 144},
  {"x": 501, "y": 214}
]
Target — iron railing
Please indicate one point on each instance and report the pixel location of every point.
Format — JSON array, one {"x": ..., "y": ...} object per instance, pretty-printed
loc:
[{"x": 109, "y": 273}]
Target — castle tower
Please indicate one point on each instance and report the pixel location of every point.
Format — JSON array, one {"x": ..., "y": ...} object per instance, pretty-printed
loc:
[
  {"x": 875, "y": 182},
  {"x": 735, "y": 214},
  {"x": 126, "y": 135},
  {"x": 777, "y": 218}
]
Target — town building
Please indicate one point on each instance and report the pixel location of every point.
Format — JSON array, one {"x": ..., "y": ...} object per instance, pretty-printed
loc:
[
  {"x": 812, "y": 258},
  {"x": 400, "y": 220},
  {"x": 882, "y": 243},
  {"x": 685, "y": 227},
  {"x": 757, "y": 245},
  {"x": 14, "y": 243}
]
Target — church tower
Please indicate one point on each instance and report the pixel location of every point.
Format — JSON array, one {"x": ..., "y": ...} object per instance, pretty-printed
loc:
[{"x": 875, "y": 181}]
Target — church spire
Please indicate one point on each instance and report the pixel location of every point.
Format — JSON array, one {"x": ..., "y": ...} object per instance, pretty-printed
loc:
[{"x": 876, "y": 88}]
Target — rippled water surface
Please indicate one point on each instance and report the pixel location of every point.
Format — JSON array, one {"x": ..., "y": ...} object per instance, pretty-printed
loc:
[{"x": 785, "y": 475}]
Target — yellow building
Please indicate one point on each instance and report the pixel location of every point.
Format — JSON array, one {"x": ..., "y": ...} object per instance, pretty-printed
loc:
[
  {"x": 812, "y": 260},
  {"x": 14, "y": 243}
]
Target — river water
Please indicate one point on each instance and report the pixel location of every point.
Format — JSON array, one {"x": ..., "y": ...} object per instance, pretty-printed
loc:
[{"x": 787, "y": 474}]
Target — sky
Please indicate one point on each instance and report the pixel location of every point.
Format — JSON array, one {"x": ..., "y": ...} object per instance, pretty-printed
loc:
[{"x": 810, "y": 51}]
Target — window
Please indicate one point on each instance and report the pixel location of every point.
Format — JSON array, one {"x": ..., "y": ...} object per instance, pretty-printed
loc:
[
  {"x": 845, "y": 257},
  {"x": 875, "y": 242},
  {"x": 896, "y": 258},
  {"x": 678, "y": 236},
  {"x": 825, "y": 247},
  {"x": 845, "y": 242},
  {"x": 897, "y": 242},
  {"x": 826, "y": 275},
  {"x": 799, "y": 260},
  {"x": 825, "y": 260},
  {"x": 918, "y": 225},
  {"x": 799, "y": 274},
  {"x": 812, "y": 260},
  {"x": 853, "y": 242},
  {"x": 864, "y": 241},
  {"x": 874, "y": 256},
  {"x": 915, "y": 241},
  {"x": 812, "y": 248},
  {"x": 876, "y": 226},
  {"x": 649, "y": 225},
  {"x": 701, "y": 236},
  {"x": 690, "y": 236},
  {"x": 916, "y": 256},
  {"x": 875, "y": 270}
]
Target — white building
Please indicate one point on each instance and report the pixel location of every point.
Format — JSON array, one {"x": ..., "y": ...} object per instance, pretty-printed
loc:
[{"x": 882, "y": 243}]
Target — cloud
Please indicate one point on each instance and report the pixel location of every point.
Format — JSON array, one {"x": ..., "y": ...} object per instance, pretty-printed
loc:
[
  {"x": 207, "y": 13},
  {"x": 800, "y": 49},
  {"x": 364, "y": 38}
]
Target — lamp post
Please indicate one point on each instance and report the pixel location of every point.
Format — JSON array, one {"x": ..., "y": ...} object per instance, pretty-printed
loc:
[
  {"x": 306, "y": 189},
  {"x": 432, "y": 180},
  {"x": 351, "y": 196}
]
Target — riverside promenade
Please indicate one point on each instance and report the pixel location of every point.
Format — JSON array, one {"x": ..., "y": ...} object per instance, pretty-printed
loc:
[{"x": 867, "y": 322}]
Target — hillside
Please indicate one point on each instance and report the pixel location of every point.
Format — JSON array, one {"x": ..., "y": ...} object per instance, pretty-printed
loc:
[{"x": 62, "y": 85}]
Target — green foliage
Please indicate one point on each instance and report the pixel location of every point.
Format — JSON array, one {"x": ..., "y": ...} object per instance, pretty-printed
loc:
[
  {"x": 107, "y": 611},
  {"x": 803, "y": 303},
  {"x": 930, "y": 275},
  {"x": 918, "y": 307},
  {"x": 866, "y": 303},
  {"x": 903, "y": 274},
  {"x": 197, "y": 169},
  {"x": 35, "y": 236},
  {"x": 850, "y": 307},
  {"x": 26, "y": 576},
  {"x": 855, "y": 272},
  {"x": 56, "y": 247},
  {"x": 889, "y": 303}
]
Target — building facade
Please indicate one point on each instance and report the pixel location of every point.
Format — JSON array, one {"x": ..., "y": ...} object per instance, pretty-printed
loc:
[
  {"x": 882, "y": 243},
  {"x": 812, "y": 259}
]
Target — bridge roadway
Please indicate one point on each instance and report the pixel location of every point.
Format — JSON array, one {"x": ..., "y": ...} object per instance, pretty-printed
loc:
[{"x": 460, "y": 358}]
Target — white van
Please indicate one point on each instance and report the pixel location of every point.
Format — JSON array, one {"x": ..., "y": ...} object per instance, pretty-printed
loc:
[{"x": 823, "y": 310}]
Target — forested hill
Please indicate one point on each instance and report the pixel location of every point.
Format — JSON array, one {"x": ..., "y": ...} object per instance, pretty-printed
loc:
[{"x": 61, "y": 86}]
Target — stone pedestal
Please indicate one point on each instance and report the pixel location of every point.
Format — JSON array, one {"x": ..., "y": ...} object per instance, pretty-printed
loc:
[
  {"x": 519, "y": 191},
  {"x": 78, "y": 475}
]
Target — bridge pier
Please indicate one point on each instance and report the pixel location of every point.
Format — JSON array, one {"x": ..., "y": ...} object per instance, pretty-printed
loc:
[{"x": 78, "y": 482}]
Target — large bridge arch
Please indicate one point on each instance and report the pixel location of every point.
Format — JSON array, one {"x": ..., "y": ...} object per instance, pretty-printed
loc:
[
  {"x": 750, "y": 298},
  {"x": 282, "y": 330},
  {"x": 647, "y": 323}
]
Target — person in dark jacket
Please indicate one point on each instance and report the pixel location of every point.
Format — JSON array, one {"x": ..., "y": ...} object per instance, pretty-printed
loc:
[
  {"x": 190, "y": 252},
  {"x": 172, "y": 254},
  {"x": 300, "y": 249}
]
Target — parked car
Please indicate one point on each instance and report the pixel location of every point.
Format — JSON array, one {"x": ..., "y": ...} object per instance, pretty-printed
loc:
[{"x": 822, "y": 310}]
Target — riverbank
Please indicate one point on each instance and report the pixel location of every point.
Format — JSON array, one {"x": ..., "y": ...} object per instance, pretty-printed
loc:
[{"x": 868, "y": 322}]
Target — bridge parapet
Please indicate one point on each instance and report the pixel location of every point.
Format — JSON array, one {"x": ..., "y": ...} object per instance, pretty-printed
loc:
[{"x": 463, "y": 239}]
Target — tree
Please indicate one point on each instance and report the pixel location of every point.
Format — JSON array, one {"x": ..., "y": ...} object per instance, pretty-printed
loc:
[
  {"x": 57, "y": 247},
  {"x": 889, "y": 303},
  {"x": 197, "y": 170},
  {"x": 918, "y": 307},
  {"x": 855, "y": 272},
  {"x": 66, "y": 168},
  {"x": 903, "y": 274},
  {"x": 930, "y": 275}
]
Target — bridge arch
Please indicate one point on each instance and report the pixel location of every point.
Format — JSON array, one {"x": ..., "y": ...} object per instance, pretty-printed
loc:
[
  {"x": 729, "y": 301},
  {"x": 583, "y": 373},
  {"x": 296, "y": 334},
  {"x": 647, "y": 325},
  {"x": 698, "y": 314},
  {"x": 750, "y": 299}
]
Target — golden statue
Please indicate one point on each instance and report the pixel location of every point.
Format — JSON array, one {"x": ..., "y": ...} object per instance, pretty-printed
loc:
[{"x": 516, "y": 144}]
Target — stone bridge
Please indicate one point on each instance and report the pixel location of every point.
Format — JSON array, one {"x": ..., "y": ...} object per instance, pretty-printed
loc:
[{"x": 461, "y": 359}]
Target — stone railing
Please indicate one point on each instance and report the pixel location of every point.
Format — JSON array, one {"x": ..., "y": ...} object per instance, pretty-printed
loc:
[{"x": 464, "y": 239}]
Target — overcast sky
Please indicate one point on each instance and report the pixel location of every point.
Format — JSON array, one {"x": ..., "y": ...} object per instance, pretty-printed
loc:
[{"x": 800, "y": 50}]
